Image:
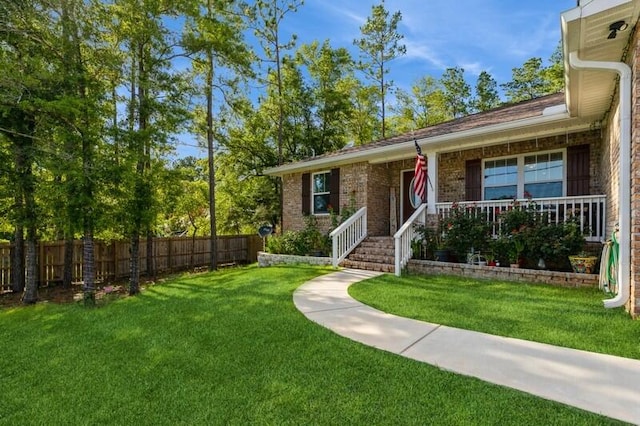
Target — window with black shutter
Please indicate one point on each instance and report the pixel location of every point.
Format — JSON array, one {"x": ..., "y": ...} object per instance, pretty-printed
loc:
[{"x": 321, "y": 192}]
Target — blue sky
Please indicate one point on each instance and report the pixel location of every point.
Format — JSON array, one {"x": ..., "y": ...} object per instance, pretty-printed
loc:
[{"x": 477, "y": 35}]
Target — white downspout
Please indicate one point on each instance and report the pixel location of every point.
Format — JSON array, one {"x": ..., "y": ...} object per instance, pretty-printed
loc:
[{"x": 624, "y": 190}]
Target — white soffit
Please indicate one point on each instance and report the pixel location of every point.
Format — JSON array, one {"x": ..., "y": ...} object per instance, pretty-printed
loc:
[{"x": 585, "y": 29}]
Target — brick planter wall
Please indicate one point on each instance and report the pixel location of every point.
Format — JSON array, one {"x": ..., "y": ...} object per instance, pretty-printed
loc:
[
  {"x": 429, "y": 267},
  {"x": 270, "y": 259},
  {"x": 562, "y": 279}
]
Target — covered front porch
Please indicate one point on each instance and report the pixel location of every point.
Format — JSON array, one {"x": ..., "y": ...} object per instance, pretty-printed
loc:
[{"x": 589, "y": 212}]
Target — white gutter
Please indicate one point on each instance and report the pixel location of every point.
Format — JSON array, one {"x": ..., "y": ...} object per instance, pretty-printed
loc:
[{"x": 624, "y": 190}]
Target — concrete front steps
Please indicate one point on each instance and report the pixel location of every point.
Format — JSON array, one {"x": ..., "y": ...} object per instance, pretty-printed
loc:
[{"x": 373, "y": 254}]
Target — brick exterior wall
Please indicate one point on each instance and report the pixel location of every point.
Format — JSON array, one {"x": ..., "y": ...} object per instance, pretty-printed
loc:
[
  {"x": 292, "y": 219},
  {"x": 378, "y": 200},
  {"x": 451, "y": 166},
  {"x": 610, "y": 171},
  {"x": 360, "y": 183},
  {"x": 634, "y": 307}
]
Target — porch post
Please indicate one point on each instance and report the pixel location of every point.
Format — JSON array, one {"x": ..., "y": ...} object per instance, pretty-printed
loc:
[{"x": 432, "y": 181}]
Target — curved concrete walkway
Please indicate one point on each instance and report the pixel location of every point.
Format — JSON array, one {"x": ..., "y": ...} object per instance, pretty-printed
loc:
[{"x": 603, "y": 384}]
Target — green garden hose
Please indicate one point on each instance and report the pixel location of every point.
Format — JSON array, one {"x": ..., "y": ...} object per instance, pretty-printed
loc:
[{"x": 610, "y": 263}]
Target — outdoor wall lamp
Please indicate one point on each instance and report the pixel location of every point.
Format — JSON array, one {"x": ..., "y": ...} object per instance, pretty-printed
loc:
[{"x": 615, "y": 27}]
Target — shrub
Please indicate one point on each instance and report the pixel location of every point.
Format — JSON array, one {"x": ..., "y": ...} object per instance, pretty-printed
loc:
[
  {"x": 465, "y": 229},
  {"x": 308, "y": 241},
  {"x": 526, "y": 233},
  {"x": 290, "y": 242}
]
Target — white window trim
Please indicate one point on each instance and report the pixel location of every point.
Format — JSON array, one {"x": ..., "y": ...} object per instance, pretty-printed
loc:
[
  {"x": 313, "y": 193},
  {"x": 520, "y": 165}
]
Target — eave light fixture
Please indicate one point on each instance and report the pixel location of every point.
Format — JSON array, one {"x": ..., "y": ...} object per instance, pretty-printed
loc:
[{"x": 615, "y": 27}]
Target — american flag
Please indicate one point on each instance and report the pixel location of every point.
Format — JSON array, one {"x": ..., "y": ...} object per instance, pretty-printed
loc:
[{"x": 420, "y": 175}]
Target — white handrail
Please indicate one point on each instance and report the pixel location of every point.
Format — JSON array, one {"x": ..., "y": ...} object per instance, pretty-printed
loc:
[
  {"x": 348, "y": 235},
  {"x": 589, "y": 210},
  {"x": 403, "y": 239}
]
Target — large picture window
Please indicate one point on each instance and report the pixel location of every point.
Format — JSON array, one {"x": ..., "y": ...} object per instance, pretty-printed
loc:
[
  {"x": 321, "y": 192},
  {"x": 535, "y": 175}
]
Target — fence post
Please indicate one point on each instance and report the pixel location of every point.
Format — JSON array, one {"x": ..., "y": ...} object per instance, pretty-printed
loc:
[{"x": 42, "y": 274}]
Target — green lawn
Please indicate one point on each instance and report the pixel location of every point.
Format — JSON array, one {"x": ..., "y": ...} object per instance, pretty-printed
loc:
[
  {"x": 230, "y": 348},
  {"x": 569, "y": 317}
]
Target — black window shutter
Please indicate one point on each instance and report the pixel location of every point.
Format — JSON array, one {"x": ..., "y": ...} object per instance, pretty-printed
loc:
[
  {"x": 578, "y": 170},
  {"x": 306, "y": 193},
  {"x": 473, "y": 180},
  {"x": 334, "y": 184}
]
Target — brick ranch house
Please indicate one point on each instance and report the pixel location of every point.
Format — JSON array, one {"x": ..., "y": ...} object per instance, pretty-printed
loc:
[{"x": 575, "y": 153}]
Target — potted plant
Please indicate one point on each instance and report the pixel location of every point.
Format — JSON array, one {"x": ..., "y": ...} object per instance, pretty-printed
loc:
[
  {"x": 583, "y": 263},
  {"x": 441, "y": 250},
  {"x": 491, "y": 259},
  {"x": 516, "y": 248}
]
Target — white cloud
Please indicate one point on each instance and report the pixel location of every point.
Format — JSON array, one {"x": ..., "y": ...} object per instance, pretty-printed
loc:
[{"x": 477, "y": 35}]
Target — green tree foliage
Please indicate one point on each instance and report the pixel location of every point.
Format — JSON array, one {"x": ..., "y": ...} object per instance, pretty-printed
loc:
[
  {"x": 554, "y": 73},
  {"x": 50, "y": 114},
  {"x": 423, "y": 107},
  {"x": 486, "y": 93},
  {"x": 268, "y": 16},
  {"x": 365, "y": 121},
  {"x": 457, "y": 92},
  {"x": 23, "y": 87},
  {"x": 330, "y": 75},
  {"x": 155, "y": 109},
  {"x": 222, "y": 58},
  {"x": 380, "y": 44},
  {"x": 533, "y": 80},
  {"x": 244, "y": 201}
]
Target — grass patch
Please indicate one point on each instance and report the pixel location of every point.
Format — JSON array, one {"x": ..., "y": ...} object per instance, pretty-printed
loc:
[
  {"x": 230, "y": 348},
  {"x": 568, "y": 317}
]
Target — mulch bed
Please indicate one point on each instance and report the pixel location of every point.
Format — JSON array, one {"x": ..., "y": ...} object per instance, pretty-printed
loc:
[{"x": 59, "y": 294}]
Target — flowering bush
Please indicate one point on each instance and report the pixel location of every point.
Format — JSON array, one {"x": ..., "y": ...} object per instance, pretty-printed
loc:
[
  {"x": 465, "y": 229},
  {"x": 527, "y": 234}
]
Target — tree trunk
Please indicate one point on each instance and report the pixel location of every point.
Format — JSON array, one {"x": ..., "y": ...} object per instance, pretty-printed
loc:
[
  {"x": 213, "y": 240},
  {"x": 67, "y": 269},
  {"x": 17, "y": 261},
  {"x": 30, "y": 295},
  {"x": 88, "y": 268},
  {"x": 134, "y": 265}
]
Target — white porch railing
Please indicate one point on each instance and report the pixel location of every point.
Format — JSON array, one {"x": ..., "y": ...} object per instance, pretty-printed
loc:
[
  {"x": 590, "y": 210},
  {"x": 348, "y": 235},
  {"x": 404, "y": 236}
]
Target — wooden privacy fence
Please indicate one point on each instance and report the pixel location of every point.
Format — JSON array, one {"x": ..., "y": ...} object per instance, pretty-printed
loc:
[{"x": 112, "y": 259}]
